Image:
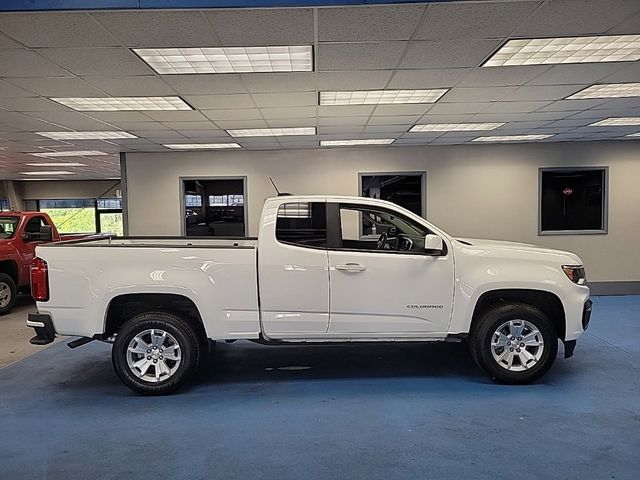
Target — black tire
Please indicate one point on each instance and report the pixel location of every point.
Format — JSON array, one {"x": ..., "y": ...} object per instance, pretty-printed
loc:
[
  {"x": 12, "y": 291},
  {"x": 189, "y": 346},
  {"x": 482, "y": 333}
]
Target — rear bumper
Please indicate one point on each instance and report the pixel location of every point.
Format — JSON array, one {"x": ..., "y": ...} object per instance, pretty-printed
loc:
[{"x": 43, "y": 325}]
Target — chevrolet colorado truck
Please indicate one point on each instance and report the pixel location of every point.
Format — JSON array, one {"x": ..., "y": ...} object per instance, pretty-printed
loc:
[
  {"x": 20, "y": 233},
  {"x": 323, "y": 269}
]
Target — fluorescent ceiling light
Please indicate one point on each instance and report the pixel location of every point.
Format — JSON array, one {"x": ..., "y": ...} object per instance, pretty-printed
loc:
[
  {"x": 345, "y": 143},
  {"x": 376, "y": 97},
  {"x": 72, "y": 153},
  {"x": 107, "y": 135},
  {"x": 454, "y": 127},
  {"x": 107, "y": 104},
  {"x": 49, "y": 172},
  {"x": 511, "y": 138},
  {"x": 168, "y": 61},
  {"x": 608, "y": 90},
  {"x": 272, "y": 132},
  {"x": 633, "y": 135},
  {"x": 617, "y": 122},
  {"x": 539, "y": 51},
  {"x": 201, "y": 146},
  {"x": 54, "y": 164}
]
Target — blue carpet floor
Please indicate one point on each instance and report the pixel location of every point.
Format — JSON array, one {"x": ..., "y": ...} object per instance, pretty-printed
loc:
[{"x": 372, "y": 412}]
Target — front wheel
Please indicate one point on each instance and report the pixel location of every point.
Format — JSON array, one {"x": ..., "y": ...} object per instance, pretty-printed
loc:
[
  {"x": 514, "y": 343},
  {"x": 8, "y": 293},
  {"x": 156, "y": 353}
]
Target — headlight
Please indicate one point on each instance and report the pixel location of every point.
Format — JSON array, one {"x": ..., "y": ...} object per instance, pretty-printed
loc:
[{"x": 575, "y": 273}]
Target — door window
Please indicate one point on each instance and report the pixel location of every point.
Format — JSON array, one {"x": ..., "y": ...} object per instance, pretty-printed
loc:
[
  {"x": 302, "y": 223},
  {"x": 32, "y": 228},
  {"x": 382, "y": 230}
]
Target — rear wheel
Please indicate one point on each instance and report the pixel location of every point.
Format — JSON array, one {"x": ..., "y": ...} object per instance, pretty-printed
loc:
[
  {"x": 8, "y": 293},
  {"x": 514, "y": 343},
  {"x": 156, "y": 353}
]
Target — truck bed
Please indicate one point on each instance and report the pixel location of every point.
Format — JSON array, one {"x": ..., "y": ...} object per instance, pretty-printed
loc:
[{"x": 218, "y": 275}]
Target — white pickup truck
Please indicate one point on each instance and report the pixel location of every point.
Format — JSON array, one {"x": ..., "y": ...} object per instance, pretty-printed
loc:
[{"x": 323, "y": 269}]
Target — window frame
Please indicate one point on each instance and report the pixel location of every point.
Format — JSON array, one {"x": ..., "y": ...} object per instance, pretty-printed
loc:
[
  {"x": 605, "y": 201},
  {"x": 335, "y": 241}
]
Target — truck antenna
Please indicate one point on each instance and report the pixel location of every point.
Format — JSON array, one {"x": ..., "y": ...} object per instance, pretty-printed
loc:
[{"x": 280, "y": 194}]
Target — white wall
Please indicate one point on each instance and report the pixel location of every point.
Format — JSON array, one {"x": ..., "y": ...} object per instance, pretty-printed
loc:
[
  {"x": 64, "y": 190},
  {"x": 486, "y": 191}
]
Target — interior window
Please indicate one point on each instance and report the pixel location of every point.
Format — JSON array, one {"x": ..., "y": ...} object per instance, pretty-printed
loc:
[
  {"x": 32, "y": 228},
  {"x": 381, "y": 230},
  {"x": 302, "y": 223}
]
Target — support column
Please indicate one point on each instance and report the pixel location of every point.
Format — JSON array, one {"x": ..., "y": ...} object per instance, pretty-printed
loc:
[{"x": 15, "y": 200}]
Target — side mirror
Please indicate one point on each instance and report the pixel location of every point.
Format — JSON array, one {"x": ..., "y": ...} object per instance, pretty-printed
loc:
[
  {"x": 433, "y": 244},
  {"x": 46, "y": 233}
]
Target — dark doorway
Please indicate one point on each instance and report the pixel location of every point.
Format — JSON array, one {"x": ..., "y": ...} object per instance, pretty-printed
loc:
[{"x": 214, "y": 208}]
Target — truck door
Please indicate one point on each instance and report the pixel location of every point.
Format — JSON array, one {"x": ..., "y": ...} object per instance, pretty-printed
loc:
[
  {"x": 383, "y": 282},
  {"x": 293, "y": 271}
]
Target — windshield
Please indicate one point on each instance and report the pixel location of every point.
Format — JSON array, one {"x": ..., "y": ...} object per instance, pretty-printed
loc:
[{"x": 8, "y": 227}]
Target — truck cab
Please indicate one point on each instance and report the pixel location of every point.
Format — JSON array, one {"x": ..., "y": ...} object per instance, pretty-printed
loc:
[{"x": 20, "y": 234}]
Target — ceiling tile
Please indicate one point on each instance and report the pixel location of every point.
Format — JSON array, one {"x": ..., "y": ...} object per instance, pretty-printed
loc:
[
  {"x": 345, "y": 110},
  {"x": 572, "y": 105},
  {"x": 576, "y": 17},
  {"x": 514, "y": 107},
  {"x": 481, "y": 94},
  {"x": 630, "y": 72},
  {"x": 575, "y": 73},
  {"x": 428, "y": 78},
  {"x": 219, "y": 102},
  {"x": 346, "y": 122},
  {"x": 414, "y": 109},
  {"x": 25, "y": 63},
  {"x": 546, "y": 92},
  {"x": 205, "y": 83},
  {"x": 181, "y": 126},
  {"x": 280, "y": 82},
  {"x": 473, "y": 20},
  {"x": 340, "y": 130},
  {"x": 368, "y": 23},
  {"x": 72, "y": 120},
  {"x": 502, "y": 76},
  {"x": 458, "y": 53},
  {"x": 234, "y": 124},
  {"x": 58, "y": 86},
  {"x": 353, "y": 80},
  {"x": 31, "y": 104},
  {"x": 289, "y": 112},
  {"x": 96, "y": 61},
  {"x": 119, "y": 116},
  {"x": 392, "y": 130},
  {"x": 443, "y": 118},
  {"x": 289, "y": 121},
  {"x": 233, "y": 114},
  {"x": 296, "y": 99},
  {"x": 263, "y": 26},
  {"x": 630, "y": 25},
  {"x": 124, "y": 86},
  {"x": 176, "y": 28},
  {"x": 176, "y": 116},
  {"x": 394, "y": 120},
  {"x": 359, "y": 56},
  {"x": 56, "y": 29},
  {"x": 7, "y": 89},
  {"x": 6, "y": 42},
  {"x": 459, "y": 108}
]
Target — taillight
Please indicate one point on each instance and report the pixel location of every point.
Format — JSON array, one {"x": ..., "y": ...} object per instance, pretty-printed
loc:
[{"x": 40, "y": 280}]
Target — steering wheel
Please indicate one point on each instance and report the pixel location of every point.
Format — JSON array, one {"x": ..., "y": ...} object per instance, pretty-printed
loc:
[{"x": 382, "y": 241}]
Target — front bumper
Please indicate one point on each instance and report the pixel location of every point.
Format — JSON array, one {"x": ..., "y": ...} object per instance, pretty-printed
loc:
[{"x": 43, "y": 325}]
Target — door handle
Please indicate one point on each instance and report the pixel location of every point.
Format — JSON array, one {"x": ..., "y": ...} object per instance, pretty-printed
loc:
[{"x": 351, "y": 267}]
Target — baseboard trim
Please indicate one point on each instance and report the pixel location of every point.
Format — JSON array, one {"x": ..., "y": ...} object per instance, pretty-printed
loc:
[{"x": 614, "y": 288}]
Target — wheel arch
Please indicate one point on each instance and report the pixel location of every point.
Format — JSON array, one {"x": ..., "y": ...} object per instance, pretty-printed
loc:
[
  {"x": 126, "y": 306},
  {"x": 548, "y": 302}
]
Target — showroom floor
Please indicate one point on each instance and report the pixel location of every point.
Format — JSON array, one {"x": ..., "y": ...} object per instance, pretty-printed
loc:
[{"x": 389, "y": 412}]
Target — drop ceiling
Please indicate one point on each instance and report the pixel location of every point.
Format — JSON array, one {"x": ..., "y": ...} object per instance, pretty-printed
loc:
[{"x": 413, "y": 46}]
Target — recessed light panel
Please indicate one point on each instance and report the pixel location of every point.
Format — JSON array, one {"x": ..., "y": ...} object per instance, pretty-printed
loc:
[
  {"x": 106, "y": 135},
  {"x": 272, "y": 132},
  {"x": 609, "y": 90},
  {"x": 72, "y": 153},
  {"x": 54, "y": 164},
  {"x": 453, "y": 127},
  {"x": 511, "y": 138},
  {"x": 168, "y": 61},
  {"x": 617, "y": 122},
  {"x": 542, "y": 51},
  {"x": 378, "y": 97},
  {"x": 633, "y": 135},
  {"x": 110, "y": 104},
  {"x": 346, "y": 143},
  {"x": 201, "y": 146},
  {"x": 49, "y": 172}
]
